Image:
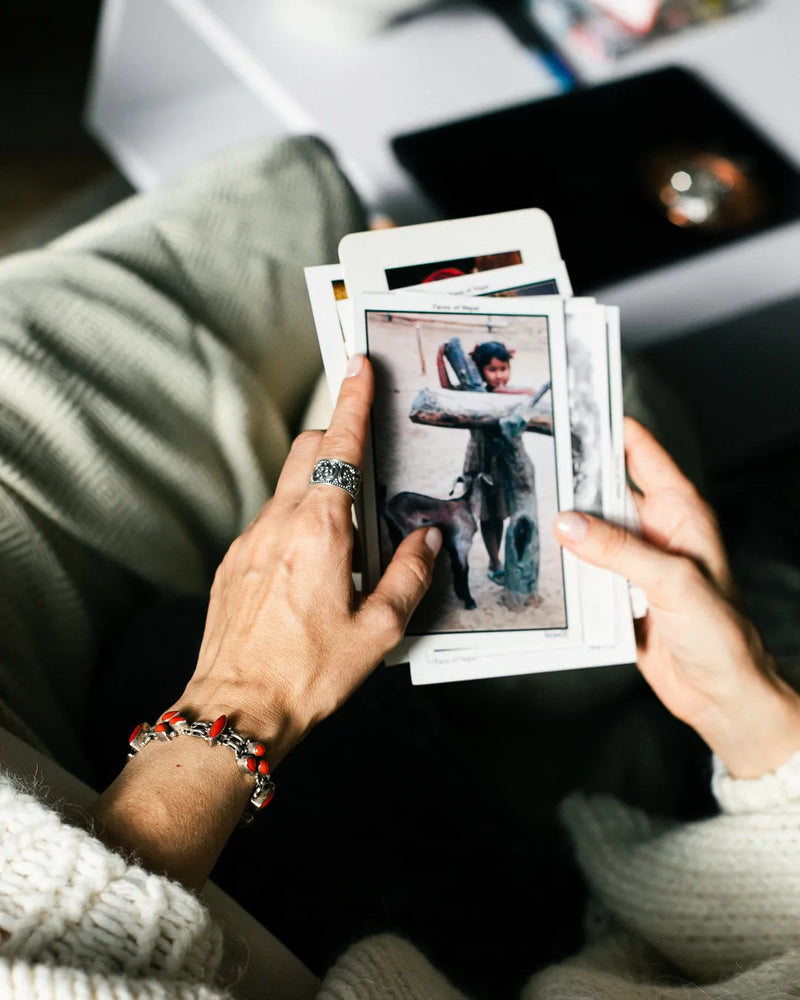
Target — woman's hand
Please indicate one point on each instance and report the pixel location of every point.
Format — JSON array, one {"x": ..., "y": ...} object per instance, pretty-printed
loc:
[
  {"x": 285, "y": 644},
  {"x": 698, "y": 652}
]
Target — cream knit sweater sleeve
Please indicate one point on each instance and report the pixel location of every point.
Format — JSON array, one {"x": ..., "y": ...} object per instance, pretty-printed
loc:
[
  {"x": 712, "y": 898},
  {"x": 714, "y": 903},
  {"x": 77, "y": 920}
]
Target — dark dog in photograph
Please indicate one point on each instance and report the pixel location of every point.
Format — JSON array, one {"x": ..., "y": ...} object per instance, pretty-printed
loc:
[{"x": 457, "y": 518}]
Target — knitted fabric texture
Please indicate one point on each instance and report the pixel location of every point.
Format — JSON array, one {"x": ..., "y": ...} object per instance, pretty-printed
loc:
[
  {"x": 80, "y": 921},
  {"x": 67, "y": 902},
  {"x": 23, "y": 981},
  {"x": 712, "y": 897},
  {"x": 387, "y": 967},
  {"x": 153, "y": 364},
  {"x": 780, "y": 789},
  {"x": 716, "y": 903}
]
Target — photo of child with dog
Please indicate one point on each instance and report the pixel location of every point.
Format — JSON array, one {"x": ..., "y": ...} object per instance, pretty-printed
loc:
[{"x": 428, "y": 472}]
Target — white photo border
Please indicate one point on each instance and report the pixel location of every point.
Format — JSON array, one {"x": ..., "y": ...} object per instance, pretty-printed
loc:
[
  {"x": 550, "y": 308},
  {"x": 367, "y": 256}
]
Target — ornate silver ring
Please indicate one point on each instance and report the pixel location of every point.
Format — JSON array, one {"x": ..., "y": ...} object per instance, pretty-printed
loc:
[{"x": 335, "y": 472}]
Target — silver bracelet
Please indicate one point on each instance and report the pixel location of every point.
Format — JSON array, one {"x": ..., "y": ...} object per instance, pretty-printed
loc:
[{"x": 250, "y": 754}]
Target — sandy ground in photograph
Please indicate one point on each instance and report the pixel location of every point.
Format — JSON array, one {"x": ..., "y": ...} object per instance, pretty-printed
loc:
[{"x": 428, "y": 460}]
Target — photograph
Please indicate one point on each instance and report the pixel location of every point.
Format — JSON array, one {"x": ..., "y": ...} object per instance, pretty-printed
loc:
[
  {"x": 548, "y": 287},
  {"x": 587, "y": 366},
  {"x": 420, "y": 274},
  {"x": 327, "y": 296},
  {"x": 543, "y": 277},
  {"x": 479, "y": 460}
]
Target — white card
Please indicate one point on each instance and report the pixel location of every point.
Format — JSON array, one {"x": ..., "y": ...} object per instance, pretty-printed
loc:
[
  {"x": 441, "y": 666},
  {"x": 387, "y": 259},
  {"x": 325, "y": 285}
]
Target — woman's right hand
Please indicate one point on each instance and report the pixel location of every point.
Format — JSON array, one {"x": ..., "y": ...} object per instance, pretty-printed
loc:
[
  {"x": 286, "y": 642},
  {"x": 700, "y": 654}
]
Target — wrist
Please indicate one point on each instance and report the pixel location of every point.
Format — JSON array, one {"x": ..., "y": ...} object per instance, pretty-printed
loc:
[
  {"x": 174, "y": 806},
  {"x": 279, "y": 730},
  {"x": 250, "y": 755},
  {"x": 756, "y": 732}
]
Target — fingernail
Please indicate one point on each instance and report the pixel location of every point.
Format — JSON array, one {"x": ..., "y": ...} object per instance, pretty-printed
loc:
[
  {"x": 354, "y": 365},
  {"x": 572, "y": 524},
  {"x": 433, "y": 539}
]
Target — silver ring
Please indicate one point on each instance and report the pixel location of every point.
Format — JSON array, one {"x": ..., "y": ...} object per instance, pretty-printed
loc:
[{"x": 335, "y": 472}]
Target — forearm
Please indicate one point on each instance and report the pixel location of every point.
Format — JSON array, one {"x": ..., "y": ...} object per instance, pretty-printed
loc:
[
  {"x": 756, "y": 732},
  {"x": 174, "y": 806}
]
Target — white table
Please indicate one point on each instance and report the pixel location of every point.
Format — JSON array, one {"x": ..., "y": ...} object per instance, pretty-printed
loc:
[{"x": 176, "y": 80}]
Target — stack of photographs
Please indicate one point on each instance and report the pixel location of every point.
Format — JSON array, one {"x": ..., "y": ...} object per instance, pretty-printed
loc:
[{"x": 498, "y": 402}]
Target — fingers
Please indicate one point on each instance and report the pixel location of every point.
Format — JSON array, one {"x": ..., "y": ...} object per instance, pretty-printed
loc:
[
  {"x": 661, "y": 575},
  {"x": 293, "y": 481},
  {"x": 347, "y": 432},
  {"x": 674, "y": 515},
  {"x": 344, "y": 439},
  {"x": 386, "y": 612},
  {"x": 650, "y": 467},
  {"x": 346, "y": 435}
]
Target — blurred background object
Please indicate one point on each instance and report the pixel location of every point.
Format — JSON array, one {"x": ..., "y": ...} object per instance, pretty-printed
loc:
[
  {"x": 593, "y": 33},
  {"x": 52, "y": 172},
  {"x": 603, "y": 162},
  {"x": 176, "y": 80},
  {"x": 337, "y": 21},
  {"x": 698, "y": 188}
]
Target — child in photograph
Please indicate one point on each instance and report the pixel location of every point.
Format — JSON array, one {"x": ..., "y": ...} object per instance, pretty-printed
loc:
[{"x": 498, "y": 452}]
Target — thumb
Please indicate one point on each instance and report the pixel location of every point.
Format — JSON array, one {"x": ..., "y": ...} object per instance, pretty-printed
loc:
[
  {"x": 612, "y": 547},
  {"x": 387, "y": 610}
]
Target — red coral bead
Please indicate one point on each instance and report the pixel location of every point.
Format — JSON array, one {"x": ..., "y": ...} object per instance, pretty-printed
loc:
[
  {"x": 168, "y": 716},
  {"x": 177, "y": 717},
  {"x": 252, "y": 764},
  {"x": 217, "y": 727},
  {"x": 135, "y": 733},
  {"x": 259, "y": 749},
  {"x": 268, "y": 799},
  {"x": 263, "y": 766},
  {"x": 159, "y": 727}
]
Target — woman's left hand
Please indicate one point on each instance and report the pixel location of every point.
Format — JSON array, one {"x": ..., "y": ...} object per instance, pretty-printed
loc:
[{"x": 700, "y": 654}]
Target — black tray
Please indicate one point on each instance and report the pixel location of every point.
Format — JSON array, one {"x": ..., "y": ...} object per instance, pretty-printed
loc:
[{"x": 586, "y": 158}]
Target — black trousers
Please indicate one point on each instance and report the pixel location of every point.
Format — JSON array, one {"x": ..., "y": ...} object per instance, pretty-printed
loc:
[{"x": 411, "y": 810}]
